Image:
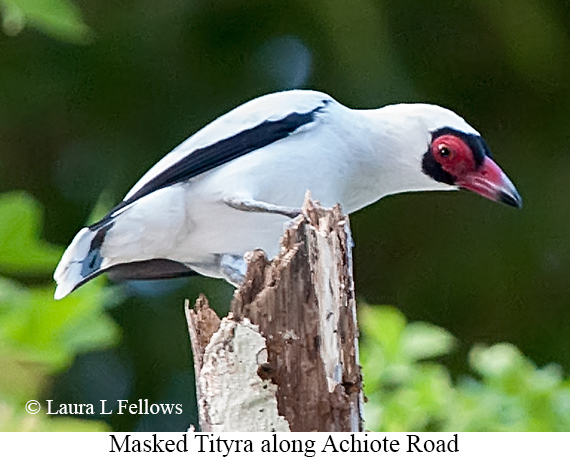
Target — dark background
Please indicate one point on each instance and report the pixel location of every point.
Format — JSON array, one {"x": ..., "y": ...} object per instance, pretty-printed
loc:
[{"x": 80, "y": 123}]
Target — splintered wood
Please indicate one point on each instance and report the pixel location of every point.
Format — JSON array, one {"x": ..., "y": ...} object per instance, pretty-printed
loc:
[{"x": 286, "y": 357}]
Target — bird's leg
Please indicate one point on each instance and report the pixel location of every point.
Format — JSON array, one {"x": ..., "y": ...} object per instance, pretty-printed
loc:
[{"x": 256, "y": 206}]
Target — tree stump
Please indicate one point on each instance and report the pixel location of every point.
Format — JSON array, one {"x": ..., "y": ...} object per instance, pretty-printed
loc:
[{"x": 286, "y": 357}]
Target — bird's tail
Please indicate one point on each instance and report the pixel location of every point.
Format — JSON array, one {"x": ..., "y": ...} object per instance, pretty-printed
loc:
[{"x": 80, "y": 262}]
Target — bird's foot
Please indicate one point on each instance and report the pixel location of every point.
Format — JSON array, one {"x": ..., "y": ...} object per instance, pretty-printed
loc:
[{"x": 233, "y": 267}]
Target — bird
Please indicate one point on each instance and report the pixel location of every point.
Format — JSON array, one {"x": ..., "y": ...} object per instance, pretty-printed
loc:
[{"x": 230, "y": 187}]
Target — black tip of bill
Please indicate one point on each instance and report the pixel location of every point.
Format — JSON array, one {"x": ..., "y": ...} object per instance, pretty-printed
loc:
[{"x": 511, "y": 198}]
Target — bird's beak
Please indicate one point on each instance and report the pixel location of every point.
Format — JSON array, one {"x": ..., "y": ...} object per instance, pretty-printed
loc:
[{"x": 491, "y": 182}]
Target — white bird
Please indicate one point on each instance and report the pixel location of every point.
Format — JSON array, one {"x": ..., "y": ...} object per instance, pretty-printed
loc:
[{"x": 230, "y": 187}]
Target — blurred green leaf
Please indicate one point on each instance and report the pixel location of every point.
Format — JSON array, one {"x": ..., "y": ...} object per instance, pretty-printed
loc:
[
  {"x": 383, "y": 324},
  {"x": 423, "y": 341},
  {"x": 39, "y": 335},
  {"x": 21, "y": 249},
  {"x": 407, "y": 393},
  {"x": 498, "y": 361},
  {"x": 51, "y": 332},
  {"x": 59, "y": 18}
]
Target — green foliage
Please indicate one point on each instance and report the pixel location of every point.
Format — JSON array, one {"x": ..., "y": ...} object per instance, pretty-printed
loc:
[
  {"x": 38, "y": 335},
  {"x": 21, "y": 250},
  {"x": 59, "y": 18},
  {"x": 408, "y": 391}
]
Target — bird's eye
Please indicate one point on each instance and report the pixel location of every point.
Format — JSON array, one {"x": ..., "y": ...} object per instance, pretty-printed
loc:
[
  {"x": 451, "y": 152},
  {"x": 444, "y": 151}
]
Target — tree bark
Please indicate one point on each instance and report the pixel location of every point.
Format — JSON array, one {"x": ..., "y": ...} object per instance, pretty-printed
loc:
[{"x": 286, "y": 357}]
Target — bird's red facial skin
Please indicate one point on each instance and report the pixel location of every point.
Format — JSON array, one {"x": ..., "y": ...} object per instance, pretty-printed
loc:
[
  {"x": 464, "y": 161},
  {"x": 454, "y": 155},
  {"x": 482, "y": 176}
]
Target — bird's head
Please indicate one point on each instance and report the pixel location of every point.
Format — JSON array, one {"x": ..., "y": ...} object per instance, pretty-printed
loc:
[
  {"x": 457, "y": 155},
  {"x": 464, "y": 160}
]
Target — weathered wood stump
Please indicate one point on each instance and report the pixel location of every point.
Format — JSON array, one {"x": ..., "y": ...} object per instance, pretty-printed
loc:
[{"x": 286, "y": 357}]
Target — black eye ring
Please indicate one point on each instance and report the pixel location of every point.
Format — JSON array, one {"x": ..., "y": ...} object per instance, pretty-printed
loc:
[{"x": 444, "y": 151}]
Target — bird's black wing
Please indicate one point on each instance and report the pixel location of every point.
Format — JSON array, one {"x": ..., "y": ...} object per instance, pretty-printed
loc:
[{"x": 209, "y": 157}]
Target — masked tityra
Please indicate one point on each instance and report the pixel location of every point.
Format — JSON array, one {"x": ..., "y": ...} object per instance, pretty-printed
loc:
[{"x": 230, "y": 187}]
